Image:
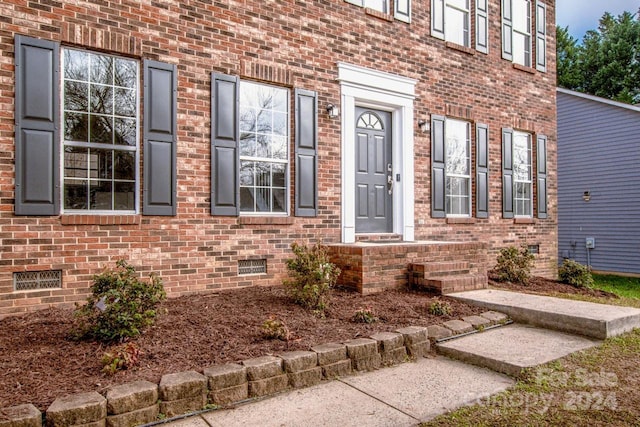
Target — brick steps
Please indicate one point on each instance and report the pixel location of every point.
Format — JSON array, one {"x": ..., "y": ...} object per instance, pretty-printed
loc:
[{"x": 448, "y": 276}]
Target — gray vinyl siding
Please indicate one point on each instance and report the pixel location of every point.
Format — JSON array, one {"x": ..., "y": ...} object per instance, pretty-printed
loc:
[{"x": 599, "y": 152}]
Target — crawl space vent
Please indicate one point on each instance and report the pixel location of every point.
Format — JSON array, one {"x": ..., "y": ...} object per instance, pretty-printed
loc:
[
  {"x": 35, "y": 280},
  {"x": 252, "y": 266}
]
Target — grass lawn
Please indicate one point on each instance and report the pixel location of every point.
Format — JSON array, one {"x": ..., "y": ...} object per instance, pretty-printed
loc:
[
  {"x": 628, "y": 287},
  {"x": 595, "y": 387}
]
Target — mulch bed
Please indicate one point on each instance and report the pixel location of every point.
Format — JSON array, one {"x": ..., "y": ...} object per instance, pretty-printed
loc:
[
  {"x": 39, "y": 362},
  {"x": 540, "y": 285}
]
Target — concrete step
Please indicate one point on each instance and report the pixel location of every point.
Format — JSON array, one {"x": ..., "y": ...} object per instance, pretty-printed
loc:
[
  {"x": 576, "y": 317},
  {"x": 514, "y": 348}
]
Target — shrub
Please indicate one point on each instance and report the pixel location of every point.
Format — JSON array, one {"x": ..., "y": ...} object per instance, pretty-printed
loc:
[
  {"x": 514, "y": 265},
  {"x": 440, "y": 308},
  {"x": 124, "y": 356},
  {"x": 120, "y": 305},
  {"x": 365, "y": 315},
  {"x": 312, "y": 276},
  {"x": 575, "y": 274},
  {"x": 275, "y": 329}
]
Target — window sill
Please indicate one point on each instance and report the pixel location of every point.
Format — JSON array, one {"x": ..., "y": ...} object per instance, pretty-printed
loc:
[
  {"x": 523, "y": 68},
  {"x": 100, "y": 219},
  {"x": 265, "y": 220},
  {"x": 460, "y": 48},
  {"x": 461, "y": 220},
  {"x": 378, "y": 14},
  {"x": 524, "y": 221}
]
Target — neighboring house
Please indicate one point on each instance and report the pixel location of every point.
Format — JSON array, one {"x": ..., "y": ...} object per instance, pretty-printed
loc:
[
  {"x": 199, "y": 139},
  {"x": 599, "y": 182}
]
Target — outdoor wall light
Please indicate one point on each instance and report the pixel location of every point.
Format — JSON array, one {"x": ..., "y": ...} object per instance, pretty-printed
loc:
[
  {"x": 333, "y": 111},
  {"x": 586, "y": 196},
  {"x": 423, "y": 125}
]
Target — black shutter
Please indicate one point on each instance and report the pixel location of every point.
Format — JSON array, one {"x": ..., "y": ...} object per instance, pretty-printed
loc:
[
  {"x": 482, "y": 26},
  {"x": 437, "y": 18},
  {"x": 225, "y": 160},
  {"x": 37, "y": 134},
  {"x": 541, "y": 145},
  {"x": 437, "y": 167},
  {"x": 507, "y": 27},
  {"x": 541, "y": 36},
  {"x": 160, "y": 138},
  {"x": 482, "y": 171},
  {"x": 306, "y": 135},
  {"x": 507, "y": 173}
]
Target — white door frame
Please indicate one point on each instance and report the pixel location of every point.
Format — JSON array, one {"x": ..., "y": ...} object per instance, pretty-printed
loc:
[{"x": 370, "y": 88}]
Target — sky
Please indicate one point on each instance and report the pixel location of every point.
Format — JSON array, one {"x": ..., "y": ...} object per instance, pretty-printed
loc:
[{"x": 583, "y": 15}]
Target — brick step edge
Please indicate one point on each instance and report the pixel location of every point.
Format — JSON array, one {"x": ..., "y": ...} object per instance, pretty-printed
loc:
[{"x": 28, "y": 414}]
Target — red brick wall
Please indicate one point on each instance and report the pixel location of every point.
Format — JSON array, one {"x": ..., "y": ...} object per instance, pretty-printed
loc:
[{"x": 298, "y": 44}]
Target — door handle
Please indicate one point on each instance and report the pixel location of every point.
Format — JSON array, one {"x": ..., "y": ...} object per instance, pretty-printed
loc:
[{"x": 390, "y": 178}]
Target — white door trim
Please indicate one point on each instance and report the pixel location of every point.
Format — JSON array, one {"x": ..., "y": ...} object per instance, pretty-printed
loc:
[{"x": 366, "y": 87}]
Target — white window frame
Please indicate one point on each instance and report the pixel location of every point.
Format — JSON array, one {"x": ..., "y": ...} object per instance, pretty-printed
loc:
[
  {"x": 522, "y": 142},
  {"x": 449, "y": 126},
  {"x": 103, "y": 146},
  {"x": 401, "y": 8},
  {"x": 286, "y": 161},
  {"x": 517, "y": 31}
]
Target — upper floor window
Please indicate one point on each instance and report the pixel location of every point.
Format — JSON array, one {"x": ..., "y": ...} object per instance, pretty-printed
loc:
[
  {"x": 451, "y": 21},
  {"x": 401, "y": 8},
  {"x": 100, "y": 132},
  {"x": 517, "y": 33},
  {"x": 264, "y": 153}
]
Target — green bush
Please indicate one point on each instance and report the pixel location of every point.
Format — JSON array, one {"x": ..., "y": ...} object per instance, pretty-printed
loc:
[
  {"x": 514, "y": 265},
  {"x": 312, "y": 276},
  {"x": 275, "y": 329},
  {"x": 575, "y": 274},
  {"x": 121, "y": 357},
  {"x": 365, "y": 315},
  {"x": 440, "y": 308},
  {"x": 120, "y": 305}
]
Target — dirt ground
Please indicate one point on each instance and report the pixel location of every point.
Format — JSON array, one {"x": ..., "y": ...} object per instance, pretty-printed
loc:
[{"x": 39, "y": 363}]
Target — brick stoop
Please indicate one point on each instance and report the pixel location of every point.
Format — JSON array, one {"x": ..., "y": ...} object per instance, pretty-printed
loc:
[{"x": 447, "y": 277}]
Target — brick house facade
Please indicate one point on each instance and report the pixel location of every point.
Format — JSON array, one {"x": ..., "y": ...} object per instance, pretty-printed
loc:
[{"x": 194, "y": 138}]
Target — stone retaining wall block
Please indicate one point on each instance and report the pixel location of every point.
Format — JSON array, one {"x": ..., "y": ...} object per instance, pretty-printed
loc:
[
  {"x": 182, "y": 385},
  {"x": 341, "y": 368},
  {"x": 131, "y": 397},
  {"x": 297, "y": 361},
  {"x": 330, "y": 353},
  {"x": 134, "y": 418},
  {"x": 183, "y": 406},
  {"x": 263, "y": 367},
  {"x": 268, "y": 386},
  {"x": 20, "y": 416},
  {"x": 82, "y": 408},
  {"x": 225, "y": 376},
  {"x": 229, "y": 395},
  {"x": 305, "y": 378},
  {"x": 416, "y": 340}
]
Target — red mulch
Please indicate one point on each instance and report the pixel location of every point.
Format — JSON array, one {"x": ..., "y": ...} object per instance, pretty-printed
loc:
[
  {"x": 540, "y": 285},
  {"x": 39, "y": 363}
]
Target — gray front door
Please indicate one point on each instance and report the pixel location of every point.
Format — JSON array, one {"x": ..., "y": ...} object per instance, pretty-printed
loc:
[{"x": 374, "y": 178}]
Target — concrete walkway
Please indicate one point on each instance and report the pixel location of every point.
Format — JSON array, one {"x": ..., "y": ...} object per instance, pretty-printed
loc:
[
  {"x": 403, "y": 395},
  {"x": 410, "y": 393},
  {"x": 577, "y": 317}
]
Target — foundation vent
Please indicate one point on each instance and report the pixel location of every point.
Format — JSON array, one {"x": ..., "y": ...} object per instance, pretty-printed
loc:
[
  {"x": 36, "y": 280},
  {"x": 252, "y": 266}
]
